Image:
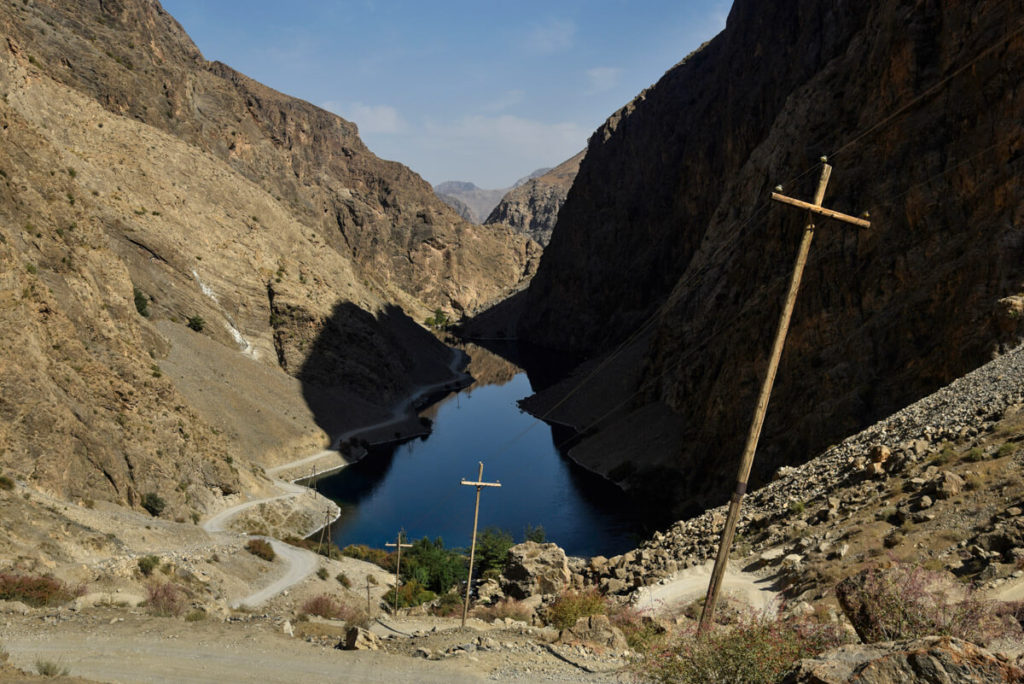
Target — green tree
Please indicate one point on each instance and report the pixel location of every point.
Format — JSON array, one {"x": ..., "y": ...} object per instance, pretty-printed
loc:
[
  {"x": 492, "y": 547},
  {"x": 196, "y": 323},
  {"x": 433, "y": 566}
]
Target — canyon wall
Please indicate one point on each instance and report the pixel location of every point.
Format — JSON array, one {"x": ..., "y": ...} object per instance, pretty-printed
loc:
[{"x": 669, "y": 252}]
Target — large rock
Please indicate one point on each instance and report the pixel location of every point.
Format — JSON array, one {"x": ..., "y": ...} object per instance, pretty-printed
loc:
[
  {"x": 533, "y": 207},
  {"x": 534, "y": 569},
  {"x": 938, "y": 660},
  {"x": 359, "y": 639}
]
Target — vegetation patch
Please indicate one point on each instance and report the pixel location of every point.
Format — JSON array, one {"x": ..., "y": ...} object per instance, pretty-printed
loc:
[
  {"x": 35, "y": 590},
  {"x": 147, "y": 564},
  {"x": 261, "y": 548},
  {"x": 153, "y": 503},
  {"x": 325, "y": 606},
  {"x": 755, "y": 649},
  {"x": 505, "y": 608},
  {"x": 410, "y": 594},
  {"x": 48, "y": 668},
  {"x": 572, "y": 605},
  {"x": 6, "y": 483}
]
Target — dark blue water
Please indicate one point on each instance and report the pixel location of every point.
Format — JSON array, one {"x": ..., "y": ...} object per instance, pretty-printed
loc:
[{"x": 415, "y": 486}]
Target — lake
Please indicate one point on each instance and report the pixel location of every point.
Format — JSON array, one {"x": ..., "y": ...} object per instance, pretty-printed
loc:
[{"x": 415, "y": 485}]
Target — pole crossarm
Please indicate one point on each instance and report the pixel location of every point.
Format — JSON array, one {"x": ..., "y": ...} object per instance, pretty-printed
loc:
[
  {"x": 815, "y": 209},
  {"x": 479, "y": 484},
  {"x": 754, "y": 435}
]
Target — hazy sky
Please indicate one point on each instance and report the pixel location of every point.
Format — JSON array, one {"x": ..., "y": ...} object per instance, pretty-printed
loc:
[{"x": 483, "y": 91}]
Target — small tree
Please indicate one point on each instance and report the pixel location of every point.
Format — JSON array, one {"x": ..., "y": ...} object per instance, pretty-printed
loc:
[
  {"x": 141, "y": 302},
  {"x": 154, "y": 503},
  {"x": 196, "y": 323},
  {"x": 492, "y": 547}
]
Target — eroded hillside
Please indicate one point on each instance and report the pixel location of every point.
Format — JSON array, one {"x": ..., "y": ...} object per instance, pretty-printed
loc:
[{"x": 198, "y": 271}]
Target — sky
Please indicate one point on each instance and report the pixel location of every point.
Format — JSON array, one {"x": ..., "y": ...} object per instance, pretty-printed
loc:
[{"x": 484, "y": 91}]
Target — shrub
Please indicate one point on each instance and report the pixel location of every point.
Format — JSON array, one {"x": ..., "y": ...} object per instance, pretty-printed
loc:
[
  {"x": 141, "y": 302},
  {"x": 378, "y": 557},
  {"x": 196, "y": 323},
  {"x": 321, "y": 573},
  {"x": 325, "y": 606},
  {"x": 535, "y": 533},
  {"x": 6, "y": 483},
  {"x": 505, "y": 608},
  {"x": 571, "y": 605},
  {"x": 35, "y": 590},
  {"x": 343, "y": 580},
  {"x": 195, "y": 615},
  {"x": 412, "y": 593},
  {"x": 974, "y": 455},
  {"x": 147, "y": 564},
  {"x": 154, "y": 503},
  {"x": 908, "y": 601},
  {"x": 165, "y": 599},
  {"x": 261, "y": 548},
  {"x": 1005, "y": 449},
  {"x": 642, "y": 632},
  {"x": 448, "y": 605},
  {"x": 48, "y": 668},
  {"x": 755, "y": 649}
]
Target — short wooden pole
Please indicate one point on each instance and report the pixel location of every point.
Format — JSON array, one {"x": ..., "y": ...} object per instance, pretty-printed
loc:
[{"x": 398, "y": 564}]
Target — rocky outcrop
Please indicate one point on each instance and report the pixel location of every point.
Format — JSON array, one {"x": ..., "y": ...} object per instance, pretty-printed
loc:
[
  {"x": 532, "y": 207},
  {"x": 931, "y": 660},
  {"x": 533, "y": 569},
  {"x": 668, "y": 239}
]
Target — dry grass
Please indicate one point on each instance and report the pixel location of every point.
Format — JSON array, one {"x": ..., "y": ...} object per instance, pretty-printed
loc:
[
  {"x": 36, "y": 590},
  {"x": 506, "y": 608}
]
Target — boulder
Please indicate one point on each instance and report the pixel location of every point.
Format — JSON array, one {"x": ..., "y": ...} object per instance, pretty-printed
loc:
[
  {"x": 535, "y": 569},
  {"x": 947, "y": 485},
  {"x": 595, "y": 629},
  {"x": 359, "y": 639},
  {"x": 930, "y": 659}
]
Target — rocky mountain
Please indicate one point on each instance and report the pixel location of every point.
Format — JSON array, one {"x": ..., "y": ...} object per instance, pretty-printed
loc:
[
  {"x": 479, "y": 201},
  {"x": 198, "y": 271},
  {"x": 669, "y": 262},
  {"x": 532, "y": 206},
  {"x": 473, "y": 203}
]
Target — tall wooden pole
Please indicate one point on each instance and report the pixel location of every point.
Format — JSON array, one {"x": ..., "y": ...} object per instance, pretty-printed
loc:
[
  {"x": 479, "y": 484},
  {"x": 747, "y": 460},
  {"x": 398, "y": 564}
]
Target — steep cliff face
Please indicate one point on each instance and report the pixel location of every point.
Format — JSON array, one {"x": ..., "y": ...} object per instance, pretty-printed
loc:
[
  {"x": 532, "y": 207},
  {"x": 142, "y": 189},
  {"x": 668, "y": 239}
]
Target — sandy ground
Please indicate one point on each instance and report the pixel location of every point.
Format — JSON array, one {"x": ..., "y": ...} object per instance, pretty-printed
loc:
[{"x": 687, "y": 586}]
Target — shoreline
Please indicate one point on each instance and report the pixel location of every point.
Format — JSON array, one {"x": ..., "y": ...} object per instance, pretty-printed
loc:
[{"x": 404, "y": 410}]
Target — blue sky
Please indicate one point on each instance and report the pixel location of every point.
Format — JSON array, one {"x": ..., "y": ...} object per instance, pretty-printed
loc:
[{"x": 478, "y": 91}]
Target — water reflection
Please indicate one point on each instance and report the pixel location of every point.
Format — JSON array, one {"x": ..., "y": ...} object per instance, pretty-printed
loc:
[{"x": 416, "y": 486}]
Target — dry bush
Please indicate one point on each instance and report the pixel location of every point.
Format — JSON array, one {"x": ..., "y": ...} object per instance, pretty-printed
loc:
[
  {"x": 165, "y": 599},
  {"x": 908, "y": 601},
  {"x": 447, "y": 605},
  {"x": 505, "y": 608},
  {"x": 755, "y": 649},
  {"x": 572, "y": 605},
  {"x": 261, "y": 548},
  {"x": 323, "y": 605},
  {"x": 35, "y": 590}
]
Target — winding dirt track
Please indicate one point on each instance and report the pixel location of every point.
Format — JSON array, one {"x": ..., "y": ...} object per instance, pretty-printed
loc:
[{"x": 299, "y": 563}]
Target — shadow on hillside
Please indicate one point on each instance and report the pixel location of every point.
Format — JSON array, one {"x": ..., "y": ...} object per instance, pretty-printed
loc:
[{"x": 360, "y": 364}]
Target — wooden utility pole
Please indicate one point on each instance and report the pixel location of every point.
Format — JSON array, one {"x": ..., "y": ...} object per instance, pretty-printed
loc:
[
  {"x": 747, "y": 460},
  {"x": 479, "y": 484},
  {"x": 398, "y": 565}
]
